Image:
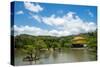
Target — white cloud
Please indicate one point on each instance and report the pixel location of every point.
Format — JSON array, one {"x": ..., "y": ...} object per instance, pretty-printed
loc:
[
  {"x": 33, "y": 7},
  {"x": 25, "y": 30},
  {"x": 53, "y": 20},
  {"x": 36, "y": 17},
  {"x": 69, "y": 24},
  {"x": 70, "y": 15},
  {"x": 58, "y": 21},
  {"x": 37, "y": 31},
  {"x": 29, "y": 30},
  {"x": 20, "y": 12}
]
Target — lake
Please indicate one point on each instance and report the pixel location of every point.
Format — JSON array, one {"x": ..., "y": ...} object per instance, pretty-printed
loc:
[{"x": 63, "y": 56}]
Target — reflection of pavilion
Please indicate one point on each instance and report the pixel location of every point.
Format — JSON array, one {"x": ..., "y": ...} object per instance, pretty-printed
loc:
[{"x": 78, "y": 42}]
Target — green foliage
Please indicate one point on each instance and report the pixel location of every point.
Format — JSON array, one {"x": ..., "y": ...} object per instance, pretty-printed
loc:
[
  {"x": 30, "y": 43},
  {"x": 29, "y": 49},
  {"x": 39, "y": 44}
]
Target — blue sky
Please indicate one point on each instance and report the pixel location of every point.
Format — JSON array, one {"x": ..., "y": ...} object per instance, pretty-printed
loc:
[{"x": 53, "y": 19}]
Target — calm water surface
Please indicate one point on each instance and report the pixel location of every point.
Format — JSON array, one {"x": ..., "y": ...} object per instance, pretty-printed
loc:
[{"x": 64, "y": 56}]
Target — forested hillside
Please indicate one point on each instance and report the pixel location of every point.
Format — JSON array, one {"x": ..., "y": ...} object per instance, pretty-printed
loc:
[{"x": 53, "y": 42}]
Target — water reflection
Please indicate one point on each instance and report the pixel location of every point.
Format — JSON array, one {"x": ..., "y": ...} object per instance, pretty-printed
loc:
[{"x": 63, "y": 56}]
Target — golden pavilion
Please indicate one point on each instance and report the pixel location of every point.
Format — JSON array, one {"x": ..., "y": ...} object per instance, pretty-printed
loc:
[{"x": 78, "y": 41}]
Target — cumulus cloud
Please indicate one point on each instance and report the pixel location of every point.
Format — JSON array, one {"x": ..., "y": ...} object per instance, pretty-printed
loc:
[
  {"x": 69, "y": 24},
  {"x": 53, "y": 20},
  {"x": 33, "y": 7},
  {"x": 29, "y": 30},
  {"x": 20, "y": 12},
  {"x": 58, "y": 21},
  {"x": 37, "y": 31}
]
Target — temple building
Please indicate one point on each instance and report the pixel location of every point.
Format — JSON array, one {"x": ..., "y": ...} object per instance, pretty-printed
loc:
[{"x": 78, "y": 42}]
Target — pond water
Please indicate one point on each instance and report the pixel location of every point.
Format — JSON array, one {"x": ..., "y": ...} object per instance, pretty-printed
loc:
[{"x": 63, "y": 56}]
